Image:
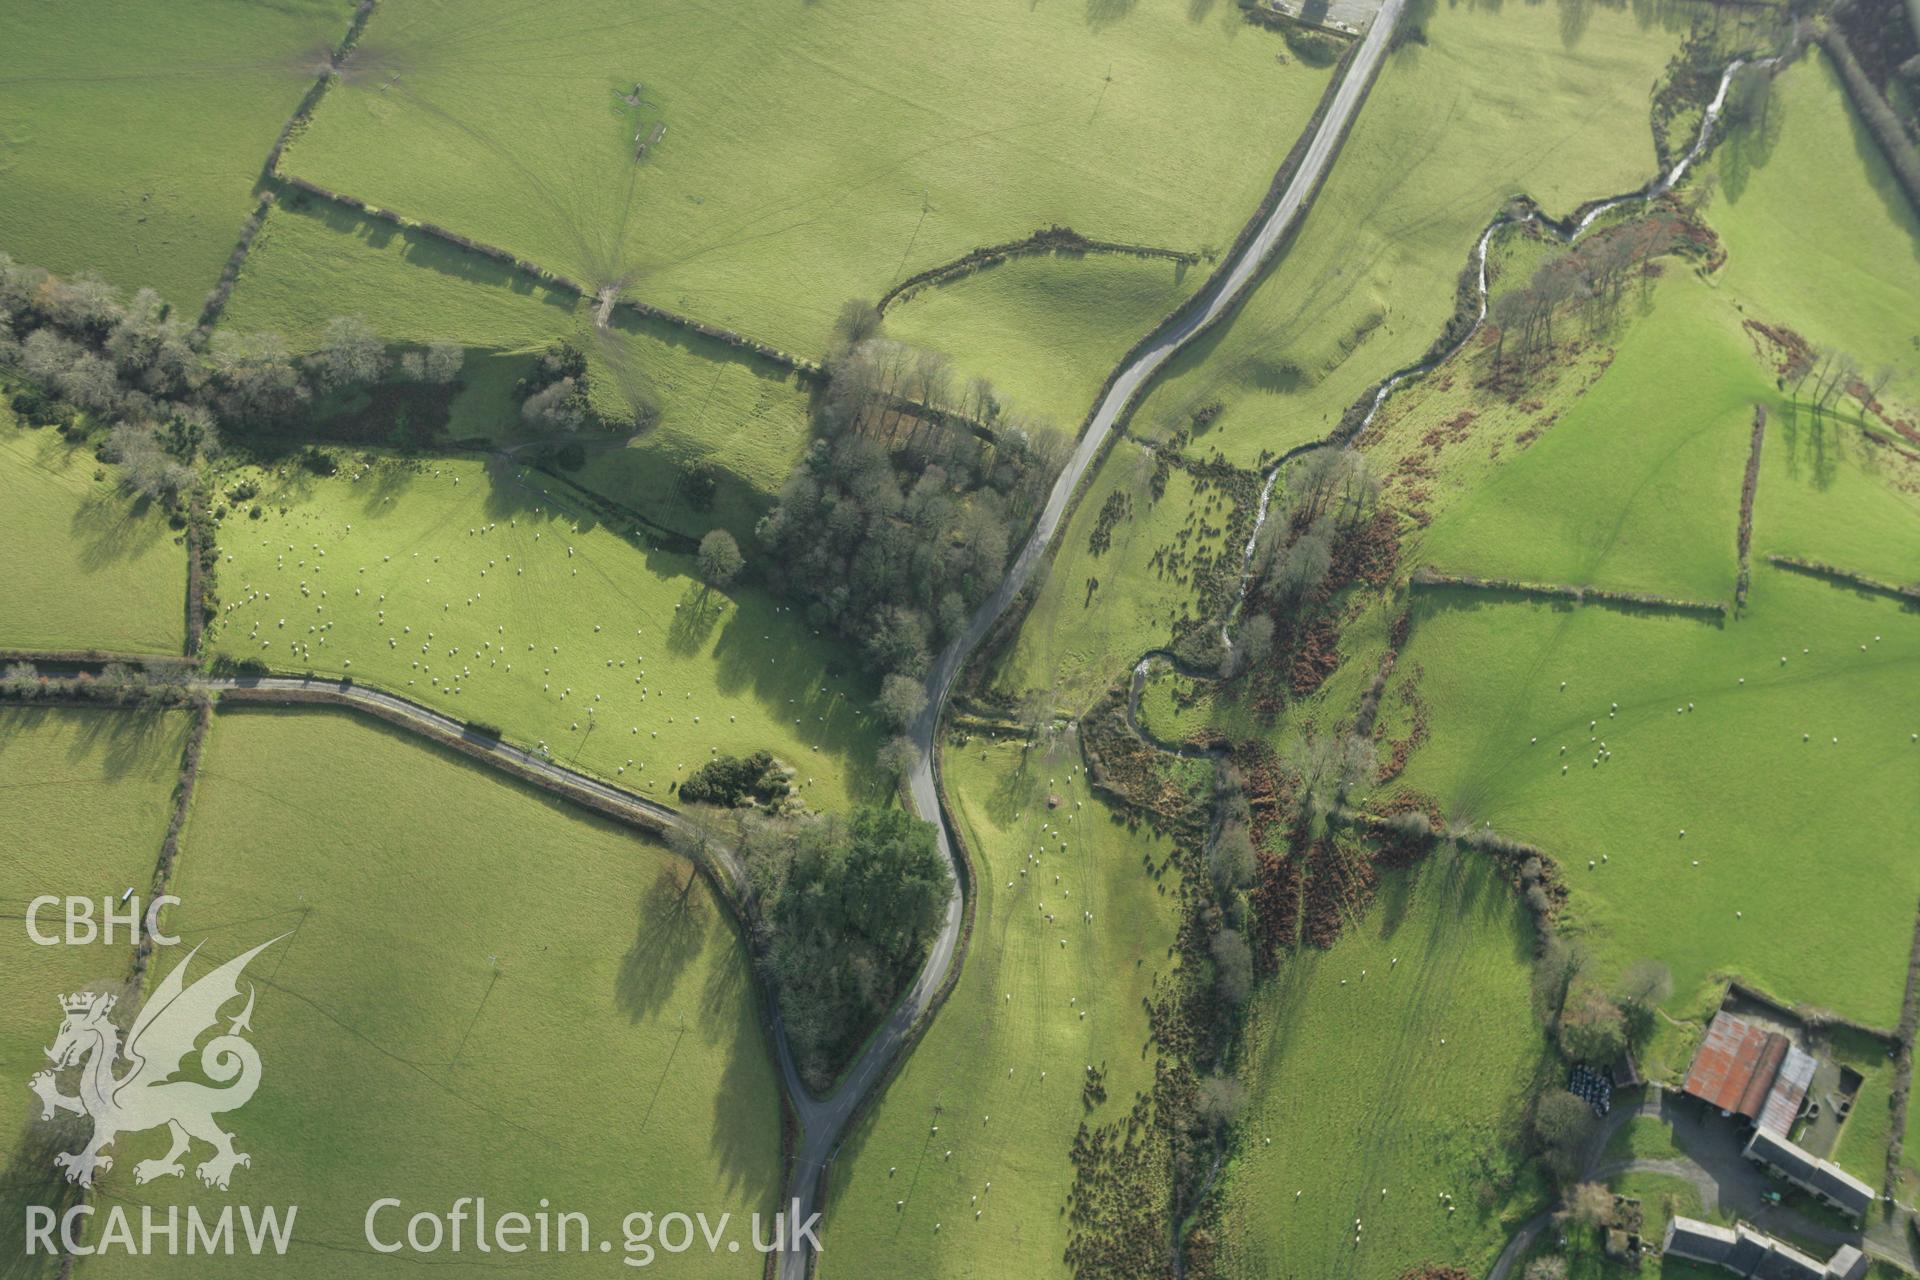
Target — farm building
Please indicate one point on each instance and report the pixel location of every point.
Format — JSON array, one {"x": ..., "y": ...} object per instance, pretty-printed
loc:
[
  {"x": 1746, "y": 1252},
  {"x": 1821, "y": 1178},
  {"x": 1748, "y": 1070}
]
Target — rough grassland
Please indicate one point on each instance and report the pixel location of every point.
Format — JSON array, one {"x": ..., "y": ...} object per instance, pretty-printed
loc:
[
  {"x": 1637, "y": 487},
  {"x": 1353, "y": 1086},
  {"x": 745, "y": 417},
  {"x": 1076, "y": 643},
  {"x": 131, "y": 135},
  {"x": 80, "y": 566},
  {"x": 812, "y": 153},
  {"x": 985, "y": 1053},
  {"x": 1045, "y": 331},
  {"x": 1496, "y": 104},
  {"x": 85, "y": 800},
  {"x": 587, "y": 1036},
  {"x": 1797, "y": 841},
  {"x": 1817, "y": 233},
  {"x": 500, "y": 625}
]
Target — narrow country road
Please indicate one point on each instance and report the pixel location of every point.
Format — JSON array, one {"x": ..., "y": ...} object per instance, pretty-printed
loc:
[{"x": 824, "y": 1121}]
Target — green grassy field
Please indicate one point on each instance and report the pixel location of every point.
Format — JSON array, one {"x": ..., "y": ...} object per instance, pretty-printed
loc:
[
  {"x": 1760, "y": 806},
  {"x": 1409, "y": 1077},
  {"x": 85, "y": 801},
  {"x": 1013, "y": 1040},
  {"x": 812, "y": 153},
  {"x": 491, "y": 601},
  {"x": 1642, "y": 1138},
  {"x": 81, "y": 567},
  {"x": 1817, "y": 233},
  {"x": 1497, "y": 103},
  {"x": 744, "y": 417},
  {"x": 131, "y": 136},
  {"x": 1046, "y": 331},
  {"x": 1076, "y": 642},
  {"x": 1637, "y": 487},
  {"x": 1832, "y": 492},
  {"x": 480, "y": 992}
]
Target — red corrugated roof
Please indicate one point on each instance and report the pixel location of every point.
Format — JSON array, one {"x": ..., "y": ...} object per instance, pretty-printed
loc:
[
  {"x": 1754, "y": 1096},
  {"x": 1724, "y": 1068}
]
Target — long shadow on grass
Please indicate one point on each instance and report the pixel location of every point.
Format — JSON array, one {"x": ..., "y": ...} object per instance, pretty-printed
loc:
[
  {"x": 120, "y": 740},
  {"x": 30, "y": 1179},
  {"x": 109, "y": 528},
  {"x": 675, "y": 915},
  {"x": 745, "y": 1108},
  {"x": 110, "y": 739},
  {"x": 419, "y": 249}
]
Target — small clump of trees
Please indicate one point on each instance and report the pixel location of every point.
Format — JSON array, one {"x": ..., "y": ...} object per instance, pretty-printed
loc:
[
  {"x": 843, "y": 909},
  {"x": 556, "y": 395},
  {"x": 1587, "y": 282},
  {"x": 729, "y": 781}
]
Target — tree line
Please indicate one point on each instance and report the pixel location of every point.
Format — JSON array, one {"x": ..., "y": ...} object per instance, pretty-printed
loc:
[{"x": 91, "y": 357}]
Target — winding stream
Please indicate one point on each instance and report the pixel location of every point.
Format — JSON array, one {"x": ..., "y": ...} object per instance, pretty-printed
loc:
[{"x": 1652, "y": 191}]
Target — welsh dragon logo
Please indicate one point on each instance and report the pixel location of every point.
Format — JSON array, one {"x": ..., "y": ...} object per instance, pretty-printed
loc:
[{"x": 145, "y": 1095}]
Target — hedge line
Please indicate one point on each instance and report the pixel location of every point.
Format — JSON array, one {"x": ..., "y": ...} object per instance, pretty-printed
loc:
[
  {"x": 738, "y": 341},
  {"x": 170, "y": 843},
  {"x": 230, "y": 273},
  {"x": 1427, "y": 577},
  {"x": 1053, "y": 239},
  {"x": 1748, "y": 486},
  {"x": 1820, "y": 569},
  {"x": 1902, "y": 157},
  {"x": 303, "y": 112}
]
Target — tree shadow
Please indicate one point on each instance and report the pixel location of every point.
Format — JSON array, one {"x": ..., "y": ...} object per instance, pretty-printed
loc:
[
  {"x": 1104, "y": 13},
  {"x": 1755, "y": 120},
  {"x": 110, "y": 528},
  {"x": 674, "y": 916},
  {"x": 694, "y": 618},
  {"x": 29, "y": 1180}
]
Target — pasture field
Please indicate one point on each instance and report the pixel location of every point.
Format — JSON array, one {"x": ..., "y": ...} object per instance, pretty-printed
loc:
[
  {"x": 489, "y": 596},
  {"x": 1366, "y": 1074},
  {"x": 1000, "y": 1071},
  {"x": 85, "y": 802},
  {"x": 1637, "y": 486},
  {"x": 479, "y": 992},
  {"x": 1076, "y": 641},
  {"x": 1793, "y": 777},
  {"x": 1817, "y": 233},
  {"x": 81, "y": 566},
  {"x": 1046, "y": 331},
  {"x": 131, "y": 135},
  {"x": 1498, "y": 102},
  {"x": 711, "y": 407},
  {"x": 811, "y": 153},
  {"x": 87, "y": 798}
]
